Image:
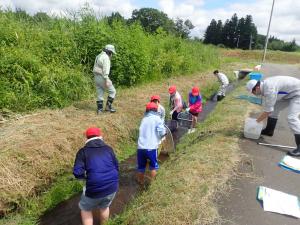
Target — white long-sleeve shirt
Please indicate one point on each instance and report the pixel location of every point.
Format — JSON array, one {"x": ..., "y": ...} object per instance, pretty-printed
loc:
[
  {"x": 151, "y": 131},
  {"x": 223, "y": 78},
  {"x": 102, "y": 65},
  {"x": 277, "y": 88}
]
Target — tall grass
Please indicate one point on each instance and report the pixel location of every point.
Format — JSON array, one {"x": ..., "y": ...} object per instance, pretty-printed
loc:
[{"x": 48, "y": 63}]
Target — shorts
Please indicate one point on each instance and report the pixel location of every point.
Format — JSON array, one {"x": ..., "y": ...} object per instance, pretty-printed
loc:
[
  {"x": 194, "y": 113},
  {"x": 88, "y": 204},
  {"x": 143, "y": 155}
]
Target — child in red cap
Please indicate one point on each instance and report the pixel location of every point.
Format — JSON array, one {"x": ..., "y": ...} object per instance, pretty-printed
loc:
[
  {"x": 195, "y": 107},
  {"x": 97, "y": 164},
  {"x": 176, "y": 102},
  {"x": 151, "y": 132},
  {"x": 160, "y": 110}
]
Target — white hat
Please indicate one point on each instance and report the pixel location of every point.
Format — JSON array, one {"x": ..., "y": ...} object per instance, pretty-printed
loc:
[
  {"x": 110, "y": 48},
  {"x": 251, "y": 84}
]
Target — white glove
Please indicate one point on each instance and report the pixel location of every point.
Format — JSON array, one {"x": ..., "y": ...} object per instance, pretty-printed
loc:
[
  {"x": 187, "y": 109},
  {"x": 171, "y": 112}
]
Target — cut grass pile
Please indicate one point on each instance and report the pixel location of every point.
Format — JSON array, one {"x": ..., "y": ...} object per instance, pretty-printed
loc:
[{"x": 195, "y": 175}]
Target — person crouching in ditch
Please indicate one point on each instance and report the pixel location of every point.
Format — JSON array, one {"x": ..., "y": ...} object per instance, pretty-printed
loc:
[
  {"x": 151, "y": 132},
  {"x": 176, "y": 103},
  {"x": 97, "y": 164},
  {"x": 195, "y": 107},
  {"x": 224, "y": 82}
]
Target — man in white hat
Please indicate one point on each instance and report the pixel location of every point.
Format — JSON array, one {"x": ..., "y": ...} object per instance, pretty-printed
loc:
[
  {"x": 101, "y": 72},
  {"x": 279, "y": 92}
]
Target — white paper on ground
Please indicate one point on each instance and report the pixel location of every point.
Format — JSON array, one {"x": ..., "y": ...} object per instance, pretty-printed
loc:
[
  {"x": 291, "y": 162},
  {"x": 279, "y": 202}
]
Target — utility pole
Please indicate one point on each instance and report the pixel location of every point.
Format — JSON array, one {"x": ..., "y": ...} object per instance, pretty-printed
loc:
[
  {"x": 250, "y": 43},
  {"x": 267, "y": 37}
]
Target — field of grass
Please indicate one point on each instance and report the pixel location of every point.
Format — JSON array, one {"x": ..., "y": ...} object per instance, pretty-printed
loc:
[
  {"x": 256, "y": 56},
  {"x": 196, "y": 174}
]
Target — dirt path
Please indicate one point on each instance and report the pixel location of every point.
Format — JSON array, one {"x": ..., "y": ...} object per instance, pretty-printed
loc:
[{"x": 240, "y": 207}]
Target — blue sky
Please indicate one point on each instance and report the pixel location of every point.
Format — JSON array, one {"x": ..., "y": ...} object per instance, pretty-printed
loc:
[{"x": 285, "y": 23}]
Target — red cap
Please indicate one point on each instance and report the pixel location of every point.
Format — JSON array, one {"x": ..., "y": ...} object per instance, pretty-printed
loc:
[
  {"x": 93, "y": 131},
  {"x": 172, "y": 89},
  {"x": 151, "y": 105},
  {"x": 195, "y": 91},
  {"x": 155, "y": 97}
]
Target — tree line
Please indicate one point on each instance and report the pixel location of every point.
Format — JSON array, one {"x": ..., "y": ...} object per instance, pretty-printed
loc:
[
  {"x": 242, "y": 33},
  {"x": 153, "y": 21}
]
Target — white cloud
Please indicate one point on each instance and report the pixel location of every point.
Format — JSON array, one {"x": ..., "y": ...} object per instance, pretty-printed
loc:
[{"x": 102, "y": 7}]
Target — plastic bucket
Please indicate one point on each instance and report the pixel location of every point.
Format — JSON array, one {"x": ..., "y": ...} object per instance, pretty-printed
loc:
[
  {"x": 255, "y": 76},
  {"x": 252, "y": 129}
]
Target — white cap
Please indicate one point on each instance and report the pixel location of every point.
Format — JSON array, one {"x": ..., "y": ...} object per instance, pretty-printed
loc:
[
  {"x": 251, "y": 84},
  {"x": 110, "y": 48}
]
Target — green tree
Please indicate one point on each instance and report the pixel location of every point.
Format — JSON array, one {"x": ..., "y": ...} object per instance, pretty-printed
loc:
[
  {"x": 219, "y": 30},
  {"x": 248, "y": 32},
  {"x": 210, "y": 33},
  {"x": 115, "y": 16},
  {"x": 151, "y": 19},
  {"x": 183, "y": 28},
  {"x": 226, "y": 33}
]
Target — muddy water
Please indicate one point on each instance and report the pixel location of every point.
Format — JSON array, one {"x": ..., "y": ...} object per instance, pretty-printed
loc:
[{"x": 68, "y": 213}]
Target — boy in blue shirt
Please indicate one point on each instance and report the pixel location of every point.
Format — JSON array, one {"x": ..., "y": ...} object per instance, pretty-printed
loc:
[
  {"x": 151, "y": 132},
  {"x": 97, "y": 164}
]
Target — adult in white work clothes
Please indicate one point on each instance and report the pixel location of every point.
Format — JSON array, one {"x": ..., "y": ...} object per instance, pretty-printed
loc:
[
  {"x": 101, "y": 72},
  {"x": 224, "y": 83},
  {"x": 279, "y": 92}
]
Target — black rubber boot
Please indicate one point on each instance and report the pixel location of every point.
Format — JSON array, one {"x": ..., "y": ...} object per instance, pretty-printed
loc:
[
  {"x": 109, "y": 107},
  {"x": 269, "y": 130},
  {"x": 296, "y": 152},
  {"x": 220, "y": 97},
  {"x": 99, "y": 107}
]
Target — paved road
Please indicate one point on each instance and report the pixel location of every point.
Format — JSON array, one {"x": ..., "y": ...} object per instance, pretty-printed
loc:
[{"x": 241, "y": 206}]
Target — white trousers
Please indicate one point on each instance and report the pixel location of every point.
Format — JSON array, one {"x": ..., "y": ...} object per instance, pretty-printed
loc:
[
  {"x": 101, "y": 88},
  {"x": 293, "y": 117},
  {"x": 222, "y": 90}
]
